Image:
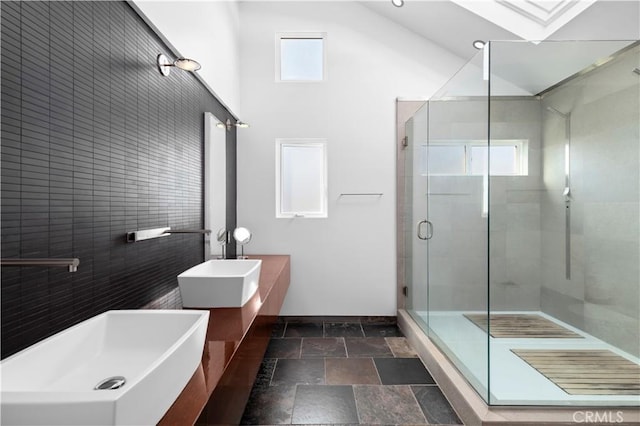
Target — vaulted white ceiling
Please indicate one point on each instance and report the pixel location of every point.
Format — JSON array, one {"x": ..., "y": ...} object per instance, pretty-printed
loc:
[
  {"x": 454, "y": 24},
  {"x": 528, "y": 19}
]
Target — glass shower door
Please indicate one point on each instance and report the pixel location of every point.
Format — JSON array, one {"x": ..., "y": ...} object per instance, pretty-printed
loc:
[
  {"x": 416, "y": 271},
  {"x": 454, "y": 162},
  {"x": 446, "y": 226}
]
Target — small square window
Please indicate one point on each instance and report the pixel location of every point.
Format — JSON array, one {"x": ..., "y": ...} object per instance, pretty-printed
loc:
[
  {"x": 301, "y": 178},
  {"x": 300, "y": 57}
]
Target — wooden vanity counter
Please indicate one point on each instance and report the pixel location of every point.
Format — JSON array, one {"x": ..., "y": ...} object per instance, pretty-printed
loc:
[{"x": 235, "y": 344}]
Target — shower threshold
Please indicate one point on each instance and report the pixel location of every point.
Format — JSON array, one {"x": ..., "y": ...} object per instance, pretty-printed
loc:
[{"x": 518, "y": 393}]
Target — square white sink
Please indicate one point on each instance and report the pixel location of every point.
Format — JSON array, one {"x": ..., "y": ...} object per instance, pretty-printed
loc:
[
  {"x": 228, "y": 283},
  {"x": 52, "y": 382}
]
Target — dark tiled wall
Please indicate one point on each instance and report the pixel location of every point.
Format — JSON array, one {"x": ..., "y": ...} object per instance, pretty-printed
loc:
[{"x": 95, "y": 143}]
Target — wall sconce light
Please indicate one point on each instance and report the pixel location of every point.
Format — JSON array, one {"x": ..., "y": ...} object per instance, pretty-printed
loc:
[
  {"x": 164, "y": 64},
  {"x": 228, "y": 125}
]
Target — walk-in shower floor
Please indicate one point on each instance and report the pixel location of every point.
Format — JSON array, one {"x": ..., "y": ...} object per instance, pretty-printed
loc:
[{"x": 513, "y": 381}]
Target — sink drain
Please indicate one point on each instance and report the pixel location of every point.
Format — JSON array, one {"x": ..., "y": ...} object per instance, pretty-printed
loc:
[{"x": 112, "y": 383}]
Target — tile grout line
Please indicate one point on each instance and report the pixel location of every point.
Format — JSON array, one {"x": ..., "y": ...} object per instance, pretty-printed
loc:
[
  {"x": 273, "y": 372},
  {"x": 324, "y": 359},
  {"x": 417, "y": 402},
  {"x": 355, "y": 400},
  {"x": 361, "y": 329},
  {"x": 390, "y": 347},
  {"x": 377, "y": 372},
  {"x": 295, "y": 396},
  {"x": 344, "y": 345}
]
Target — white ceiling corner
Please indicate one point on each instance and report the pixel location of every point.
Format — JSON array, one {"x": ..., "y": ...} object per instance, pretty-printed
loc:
[{"x": 529, "y": 19}]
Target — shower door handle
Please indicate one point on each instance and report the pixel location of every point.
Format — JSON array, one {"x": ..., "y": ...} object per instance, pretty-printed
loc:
[{"x": 430, "y": 227}]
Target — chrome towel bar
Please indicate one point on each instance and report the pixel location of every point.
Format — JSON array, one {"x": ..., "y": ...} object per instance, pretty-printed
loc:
[{"x": 71, "y": 263}]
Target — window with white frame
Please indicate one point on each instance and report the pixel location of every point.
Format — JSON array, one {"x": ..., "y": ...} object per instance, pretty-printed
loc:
[
  {"x": 300, "y": 57},
  {"x": 301, "y": 178},
  {"x": 507, "y": 157}
]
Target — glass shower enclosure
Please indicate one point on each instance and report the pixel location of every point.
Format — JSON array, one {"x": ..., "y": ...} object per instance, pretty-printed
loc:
[{"x": 522, "y": 198}]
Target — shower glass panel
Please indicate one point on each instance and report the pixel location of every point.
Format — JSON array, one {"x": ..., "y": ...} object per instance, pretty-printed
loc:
[
  {"x": 449, "y": 268},
  {"x": 564, "y": 236},
  {"x": 523, "y": 200}
]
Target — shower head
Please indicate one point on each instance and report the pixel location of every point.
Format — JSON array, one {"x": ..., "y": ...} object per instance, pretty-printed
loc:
[{"x": 555, "y": 111}]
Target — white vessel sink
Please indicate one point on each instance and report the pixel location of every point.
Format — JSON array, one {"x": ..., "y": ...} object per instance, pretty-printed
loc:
[
  {"x": 228, "y": 283},
  {"x": 53, "y": 381}
]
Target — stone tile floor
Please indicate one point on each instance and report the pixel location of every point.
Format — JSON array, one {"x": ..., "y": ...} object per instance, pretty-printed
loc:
[{"x": 350, "y": 370}]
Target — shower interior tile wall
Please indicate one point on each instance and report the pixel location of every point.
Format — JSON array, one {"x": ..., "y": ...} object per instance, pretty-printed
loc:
[
  {"x": 514, "y": 206},
  {"x": 461, "y": 259},
  {"x": 95, "y": 143},
  {"x": 603, "y": 294}
]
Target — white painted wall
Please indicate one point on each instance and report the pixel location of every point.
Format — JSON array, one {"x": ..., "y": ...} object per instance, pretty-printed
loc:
[
  {"x": 207, "y": 31},
  {"x": 343, "y": 265}
]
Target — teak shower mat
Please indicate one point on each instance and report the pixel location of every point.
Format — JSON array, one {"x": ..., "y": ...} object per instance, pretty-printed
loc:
[
  {"x": 585, "y": 372},
  {"x": 521, "y": 326}
]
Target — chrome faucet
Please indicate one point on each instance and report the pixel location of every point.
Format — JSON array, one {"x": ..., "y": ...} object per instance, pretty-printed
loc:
[{"x": 223, "y": 239}]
